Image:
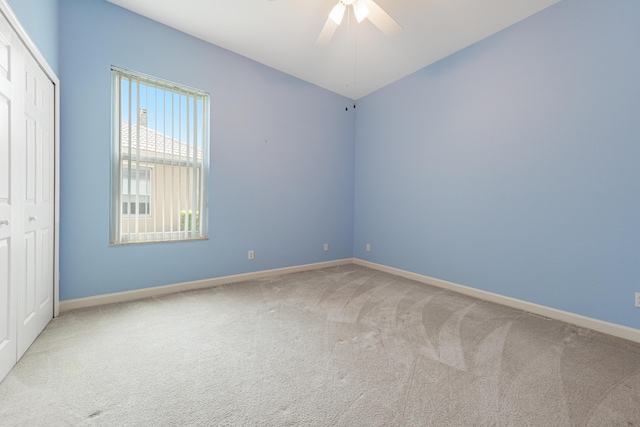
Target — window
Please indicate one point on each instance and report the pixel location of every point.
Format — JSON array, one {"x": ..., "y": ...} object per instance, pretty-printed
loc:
[
  {"x": 136, "y": 191},
  {"x": 159, "y": 164}
]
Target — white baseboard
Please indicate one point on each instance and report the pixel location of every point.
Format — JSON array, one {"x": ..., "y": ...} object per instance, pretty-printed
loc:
[
  {"x": 614, "y": 329},
  {"x": 138, "y": 294}
]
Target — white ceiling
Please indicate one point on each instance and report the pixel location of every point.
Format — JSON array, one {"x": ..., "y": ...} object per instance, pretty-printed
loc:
[{"x": 282, "y": 34}]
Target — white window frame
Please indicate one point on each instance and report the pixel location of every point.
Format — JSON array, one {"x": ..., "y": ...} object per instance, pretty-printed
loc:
[{"x": 188, "y": 155}]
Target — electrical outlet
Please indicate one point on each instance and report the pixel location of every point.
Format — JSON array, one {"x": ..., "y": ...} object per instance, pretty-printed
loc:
[
  {"x": 368, "y": 247},
  {"x": 638, "y": 299},
  {"x": 250, "y": 254},
  {"x": 326, "y": 247}
]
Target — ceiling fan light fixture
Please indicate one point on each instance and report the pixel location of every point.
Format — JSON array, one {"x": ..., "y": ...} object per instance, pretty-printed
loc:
[
  {"x": 337, "y": 13},
  {"x": 361, "y": 10}
]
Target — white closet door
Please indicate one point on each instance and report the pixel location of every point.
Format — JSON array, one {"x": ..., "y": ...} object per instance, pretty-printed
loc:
[
  {"x": 26, "y": 198},
  {"x": 35, "y": 296},
  {"x": 8, "y": 295}
]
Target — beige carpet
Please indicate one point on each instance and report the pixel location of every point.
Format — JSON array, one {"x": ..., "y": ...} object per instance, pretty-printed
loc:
[{"x": 345, "y": 346}]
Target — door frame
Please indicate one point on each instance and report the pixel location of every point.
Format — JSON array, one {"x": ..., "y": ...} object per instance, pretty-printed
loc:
[{"x": 51, "y": 75}]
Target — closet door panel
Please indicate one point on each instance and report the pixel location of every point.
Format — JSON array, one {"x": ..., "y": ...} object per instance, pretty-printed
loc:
[
  {"x": 37, "y": 308},
  {"x": 8, "y": 354},
  {"x": 8, "y": 296},
  {"x": 44, "y": 201}
]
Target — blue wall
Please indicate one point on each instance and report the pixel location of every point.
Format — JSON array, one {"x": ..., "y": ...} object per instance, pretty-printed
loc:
[
  {"x": 40, "y": 19},
  {"x": 513, "y": 166},
  {"x": 282, "y": 158}
]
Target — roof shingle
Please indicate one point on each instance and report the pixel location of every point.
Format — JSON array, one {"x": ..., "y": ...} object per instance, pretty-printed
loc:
[{"x": 156, "y": 142}]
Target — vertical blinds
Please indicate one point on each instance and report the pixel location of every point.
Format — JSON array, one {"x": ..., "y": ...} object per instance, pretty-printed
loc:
[{"x": 159, "y": 160}]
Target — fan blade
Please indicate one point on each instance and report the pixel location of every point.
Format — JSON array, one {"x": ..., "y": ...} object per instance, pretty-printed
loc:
[
  {"x": 383, "y": 20},
  {"x": 327, "y": 33}
]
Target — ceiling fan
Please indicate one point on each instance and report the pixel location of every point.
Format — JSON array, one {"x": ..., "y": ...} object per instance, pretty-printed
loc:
[{"x": 362, "y": 9}]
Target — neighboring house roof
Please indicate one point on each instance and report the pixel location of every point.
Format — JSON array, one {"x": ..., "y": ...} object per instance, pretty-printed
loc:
[{"x": 152, "y": 141}]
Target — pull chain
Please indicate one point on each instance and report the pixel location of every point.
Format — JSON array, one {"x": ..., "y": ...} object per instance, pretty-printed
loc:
[
  {"x": 346, "y": 61},
  {"x": 355, "y": 65}
]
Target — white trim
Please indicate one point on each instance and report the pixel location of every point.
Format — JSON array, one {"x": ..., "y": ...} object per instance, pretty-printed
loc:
[
  {"x": 614, "y": 329},
  {"x": 42, "y": 62},
  {"x": 56, "y": 190},
  {"x": 137, "y": 294}
]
